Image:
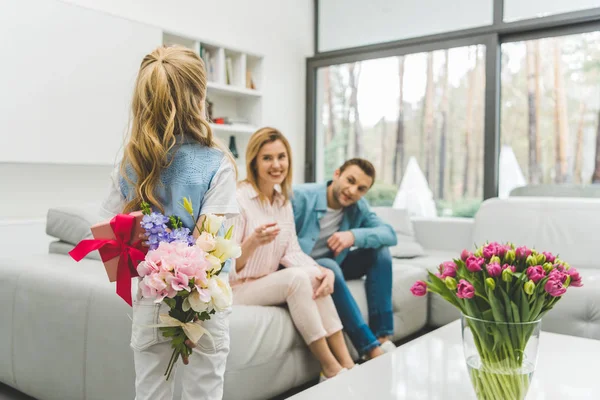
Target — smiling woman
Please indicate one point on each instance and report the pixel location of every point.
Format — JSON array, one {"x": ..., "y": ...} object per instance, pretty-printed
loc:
[{"x": 268, "y": 238}]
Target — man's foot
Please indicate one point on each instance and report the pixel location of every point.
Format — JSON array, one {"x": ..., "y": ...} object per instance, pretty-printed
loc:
[
  {"x": 388, "y": 347},
  {"x": 384, "y": 339},
  {"x": 374, "y": 352}
]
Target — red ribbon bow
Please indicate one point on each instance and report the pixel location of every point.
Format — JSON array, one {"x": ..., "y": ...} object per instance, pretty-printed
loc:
[{"x": 130, "y": 254}]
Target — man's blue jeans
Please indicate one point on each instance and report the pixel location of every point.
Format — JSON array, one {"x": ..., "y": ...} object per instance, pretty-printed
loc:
[{"x": 376, "y": 264}]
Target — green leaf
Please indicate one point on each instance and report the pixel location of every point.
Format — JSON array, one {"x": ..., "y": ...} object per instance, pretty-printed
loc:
[
  {"x": 524, "y": 307},
  {"x": 170, "y": 302},
  {"x": 229, "y": 233},
  {"x": 515, "y": 312}
]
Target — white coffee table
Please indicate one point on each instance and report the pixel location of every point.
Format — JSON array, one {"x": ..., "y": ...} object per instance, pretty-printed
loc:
[{"x": 433, "y": 367}]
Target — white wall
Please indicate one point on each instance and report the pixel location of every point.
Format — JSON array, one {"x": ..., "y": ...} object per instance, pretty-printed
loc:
[
  {"x": 282, "y": 31},
  {"x": 352, "y": 23}
]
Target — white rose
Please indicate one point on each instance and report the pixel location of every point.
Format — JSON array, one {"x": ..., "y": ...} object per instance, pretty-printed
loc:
[
  {"x": 194, "y": 300},
  {"x": 215, "y": 263},
  {"x": 213, "y": 223},
  {"x": 226, "y": 249},
  {"x": 220, "y": 291},
  {"x": 206, "y": 242}
]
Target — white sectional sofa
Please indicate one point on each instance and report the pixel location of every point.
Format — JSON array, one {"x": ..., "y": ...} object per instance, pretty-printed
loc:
[{"x": 65, "y": 334}]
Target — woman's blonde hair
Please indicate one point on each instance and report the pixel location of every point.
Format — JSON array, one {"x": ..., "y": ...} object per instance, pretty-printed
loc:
[
  {"x": 256, "y": 142},
  {"x": 168, "y": 103}
]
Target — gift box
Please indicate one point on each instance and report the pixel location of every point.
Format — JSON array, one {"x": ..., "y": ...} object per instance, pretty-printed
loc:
[
  {"x": 120, "y": 247},
  {"x": 104, "y": 231}
]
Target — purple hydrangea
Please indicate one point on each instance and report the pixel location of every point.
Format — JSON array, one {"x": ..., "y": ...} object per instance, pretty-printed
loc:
[
  {"x": 181, "y": 235},
  {"x": 156, "y": 229}
]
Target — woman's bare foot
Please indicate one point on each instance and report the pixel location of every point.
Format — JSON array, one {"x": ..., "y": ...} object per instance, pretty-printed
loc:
[{"x": 331, "y": 370}]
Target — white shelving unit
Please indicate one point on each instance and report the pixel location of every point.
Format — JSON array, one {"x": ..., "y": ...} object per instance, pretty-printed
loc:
[{"x": 234, "y": 87}]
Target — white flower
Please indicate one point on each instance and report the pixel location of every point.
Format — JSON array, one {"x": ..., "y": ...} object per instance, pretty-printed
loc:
[
  {"x": 221, "y": 294},
  {"x": 215, "y": 263},
  {"x": 226, "y": 249},
  {"x": 194, "y": 301},
  {"x": 206, "y": 242},
  {"x": 213, "y": 223}
]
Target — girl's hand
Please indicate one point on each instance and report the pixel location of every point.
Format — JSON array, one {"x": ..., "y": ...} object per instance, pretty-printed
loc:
[{"x": 265, "y": 234}]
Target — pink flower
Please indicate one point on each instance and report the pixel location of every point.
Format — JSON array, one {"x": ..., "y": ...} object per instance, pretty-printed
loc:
[
  {"x": 555, "y": 288},
  {"x": 558, "y": 275},
  {"x": 447, "y": 268},
  {"x": 494, "y": 249},
  {"x": 465, "y": 290},
  {"x": 522, "y": 252},
  {"x": 465, "y": 254},
  {"x": 474, "y": 263},
  {"x": 419, "y": 288},
  {"x": 489, "y": 251},
  {"x": 575, "y": 277},
  {"x": 179, "y": 282},
  {"x": 147, "y": 267},
  {"x": 494, "y": 270},
  {"x": 511, "y": 267},
  {"x": 536, "y": 273},
  {"x": 549, "y": 257}
]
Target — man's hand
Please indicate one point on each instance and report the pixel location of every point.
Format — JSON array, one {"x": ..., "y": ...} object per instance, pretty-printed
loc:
[
  {"x": 340, "y": 241},
  {"x": 327, "y": 279}
]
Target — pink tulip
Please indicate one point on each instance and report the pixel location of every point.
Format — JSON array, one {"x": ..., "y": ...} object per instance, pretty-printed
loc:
[
  {"x": 447, "y": 268},
  {"x": 522, "y": 252},
  {"x": 474, "y": 264},
  {"x": 465, "y": 254},
  {"x": 549, "y": 257},
  {"x": 575, "y": 277},
  {"x": 555, "y": 288},
  {"x": 419, "y": 288},
  {"x": 465, "y": 290},
  {"x": 558, "y": 275},
  {"x": 494, "y": 270},
  {"x": 536, "y": 273},
  {"x": 494, "y": 249},
  {"x": 511, "y": 267}
]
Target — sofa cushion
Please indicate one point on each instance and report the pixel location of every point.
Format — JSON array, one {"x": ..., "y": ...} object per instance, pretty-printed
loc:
[
  {"x": 60, "y": 247},
  {"x": 72, "y": 224},
  {"x": 563, "y": 226},
  {"x": 399, "y": 219}
]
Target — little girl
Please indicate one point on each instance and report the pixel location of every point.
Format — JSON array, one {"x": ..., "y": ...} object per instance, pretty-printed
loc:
[{"x": 171, "y": 154}]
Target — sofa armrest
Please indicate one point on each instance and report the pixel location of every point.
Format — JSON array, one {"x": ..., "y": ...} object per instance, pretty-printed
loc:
[{"x": 447, "y": 234}]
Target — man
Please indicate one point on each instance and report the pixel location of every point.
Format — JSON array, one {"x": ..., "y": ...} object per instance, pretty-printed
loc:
[{"x": 331, "y": 219}]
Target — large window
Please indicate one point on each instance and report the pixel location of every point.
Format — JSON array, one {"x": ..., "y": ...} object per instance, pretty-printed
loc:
[
  {"x": 418, "y": 118},
  {"x": 550, "y": 104},
  {"x": 479, "y": 99}
]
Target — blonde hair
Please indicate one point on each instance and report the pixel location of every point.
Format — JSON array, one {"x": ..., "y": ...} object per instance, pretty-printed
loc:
[
  {"x": 168, "y": 102},
  {"x": 256, "y": 142}
]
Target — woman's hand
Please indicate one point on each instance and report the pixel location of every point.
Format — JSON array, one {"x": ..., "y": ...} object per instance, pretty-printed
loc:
[
  {"x": 327, "y": 279},
  {"x": 265, "y": 234}
]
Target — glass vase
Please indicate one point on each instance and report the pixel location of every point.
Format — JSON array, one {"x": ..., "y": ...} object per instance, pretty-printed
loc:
[{"x": 501, "y": 356}]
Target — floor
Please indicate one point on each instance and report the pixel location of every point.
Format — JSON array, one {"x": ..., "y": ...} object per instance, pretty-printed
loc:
[{"x": 8, "y": 393}]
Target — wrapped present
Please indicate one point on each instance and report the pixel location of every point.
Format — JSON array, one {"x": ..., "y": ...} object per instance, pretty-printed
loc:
[{"x": 121, "y": 250}]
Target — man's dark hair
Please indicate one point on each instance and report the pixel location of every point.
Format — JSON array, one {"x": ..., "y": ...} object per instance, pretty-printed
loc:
[{"x": 363, "y": 164}]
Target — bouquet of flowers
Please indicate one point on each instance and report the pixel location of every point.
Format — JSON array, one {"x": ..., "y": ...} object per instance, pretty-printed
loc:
[
  {"x": 183, "y": 272},
  {"x": 503, "y": 291}
]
